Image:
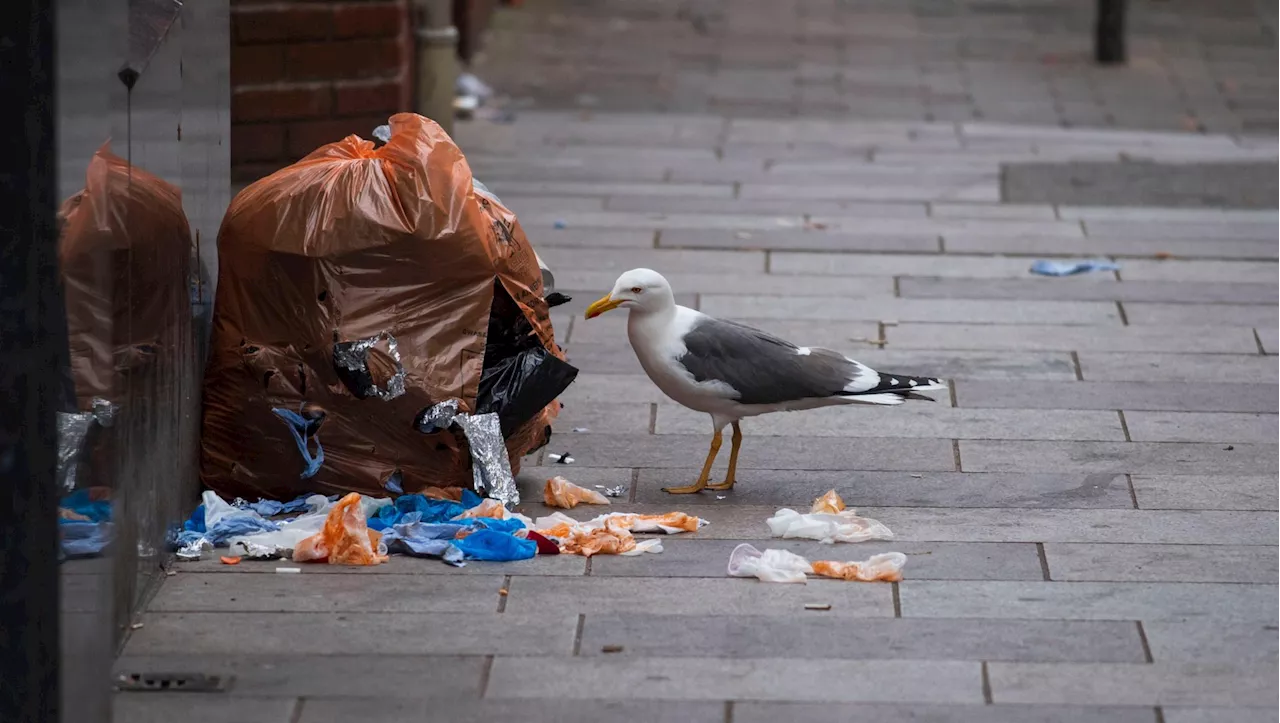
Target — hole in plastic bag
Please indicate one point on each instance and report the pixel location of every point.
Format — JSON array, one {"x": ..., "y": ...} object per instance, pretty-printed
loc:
[
  {"x": 370, "y": 367},
  {"x": 519, "y": 377}
]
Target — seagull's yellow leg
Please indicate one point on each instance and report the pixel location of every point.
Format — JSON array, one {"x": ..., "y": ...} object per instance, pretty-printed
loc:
[
  {"x": 706, "y": 471},
  {"x": 733, "y": 461}
]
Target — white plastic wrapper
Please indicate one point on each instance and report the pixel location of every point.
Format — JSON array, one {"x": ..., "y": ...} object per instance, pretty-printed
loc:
[
  {"x": 845, "y": 526},
  {"x": 768, "y": 566}
]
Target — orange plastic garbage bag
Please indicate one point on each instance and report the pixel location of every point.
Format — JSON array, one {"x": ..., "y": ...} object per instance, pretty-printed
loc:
[
  {"x": 560, "y": 492},
  {"x": 362, "y": 281},
  {"x": 345, "y": 540}
]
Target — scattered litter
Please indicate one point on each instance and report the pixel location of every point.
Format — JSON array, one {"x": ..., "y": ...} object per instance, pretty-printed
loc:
[
  {"x": 886, "y": 567},
  {"x": 1162, "y": 255},
  {"x": 136, "y": 626},
  {"x": 1229, "y": 448},
  {"x": 917, "y": 476},
  {"x": 229, "y": 560},
  {"x": 830, "y": 522},
  {"x": 560, "y": 492},
  {"x": 721, "y": 497},
  {"x": 618, "y": 491},
  {"x": 608, "y": 649},
  {"x": 817, "y": 606},
  {"x": 768, "y": 566},
  {"x": 345, "y": 539},
  {"x": 787, "y": 567},
  {"x": 612, "y": 533},
  {"x": 814, "y": 226},
  {"x": 285, "y": 570},
  {"x": 581, "y": 429},
  {"x": 170, "y": 573},
  {"x": 503, "y": 592},
  {"x": 558, "y": 224},
  {"x": 1068, "y": 268},
  {"x": 564, "y": 458}
]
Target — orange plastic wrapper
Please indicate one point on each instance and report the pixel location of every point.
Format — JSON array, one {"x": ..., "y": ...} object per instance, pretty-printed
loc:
[
  {"x": 560, "y": 492},
  {"x": 124, "y": 252},
  {"x": 443, "y": 493},
  {"x": 600, "y": 541},
  {"x": 830, "y": 504},
  {"x": 486, "y": 508},
  {"x": 650, "y": 523},
  {"x": 879, "y": 568},
  {"x": 345, "y": 540},
  {"x": 355, "y": 243}
]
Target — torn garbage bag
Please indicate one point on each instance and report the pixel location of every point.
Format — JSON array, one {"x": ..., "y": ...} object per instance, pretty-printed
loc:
[{"x": 357, "y": 244}]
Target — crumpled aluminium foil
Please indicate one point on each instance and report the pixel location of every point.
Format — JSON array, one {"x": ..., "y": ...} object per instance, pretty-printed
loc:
[
  {"x": 73, "y": 429},
  {"x": 491, "y": 468},
  {"x": 191, "y": 551},
  {"x": 355, "y": 358}
]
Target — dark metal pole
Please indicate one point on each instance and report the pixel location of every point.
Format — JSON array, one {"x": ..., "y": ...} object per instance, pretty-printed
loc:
[
  {"x": 1108, "y": 41},
  {"x": 30, "y": 313}
]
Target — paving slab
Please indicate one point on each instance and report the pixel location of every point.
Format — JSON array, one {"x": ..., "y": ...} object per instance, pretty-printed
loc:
[
  {"x": 692, "y": 596},
  {"x": 196, "y": 592},
  {"x": 1161, "y": 563},
  {"x": 852, "y": 681},
  {"x": 1085, "y": 288},
  {"x": 1118, "y": 684},
  {"x": 384, "y": 710},
  {"x": 1148, "y": 601},
  {"x": 925, "y": 560},
  {"x": 1251, "y": 315},
  {"x": 1201, "y": 427},
  {"x": 799, "y": 240},
  {"x": 437, "y": 633},
  {"x": 1206, "y": 492},
  {"x": 913, "y": 420},
  {"x": 1140, "y": 339},
  {"x": 1122, "y": 248},
  {"x": 1135, "y": 457},
  {"x": 1211, "y": 641},
  {"x": 690, "y": 281},
  {"x": 201, "y": 708},
  {"x": 286, "y": 673},
  {"x": 971, "y": 311},
  {"x": 1128, "y": 396},
  {"x": 672, "y": 450},
  {"x": 810, "y": 637},
  {"x": 756, "y": 712},
  {"x": 1267, "y": 714},
  {"x": 1194, "y": 368},
  {"x": 795, "y": 488}
]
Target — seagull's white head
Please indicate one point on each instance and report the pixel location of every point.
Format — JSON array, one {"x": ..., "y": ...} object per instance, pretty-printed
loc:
[{"x": 643, "y": 291}]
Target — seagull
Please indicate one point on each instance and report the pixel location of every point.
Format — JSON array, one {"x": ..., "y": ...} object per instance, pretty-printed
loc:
[{"x": 732, "y": 371}]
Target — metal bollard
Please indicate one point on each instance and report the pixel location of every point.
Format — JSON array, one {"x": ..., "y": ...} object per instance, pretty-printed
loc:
[
  {"x": 1108, "y": 41},
  {"x": 436, "y": 60}
]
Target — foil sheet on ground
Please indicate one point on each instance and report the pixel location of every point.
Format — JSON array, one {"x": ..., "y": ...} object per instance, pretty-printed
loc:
[
  {"x": 491, "y": 468},
  {"x": 73, "y": 430},
  {"x": 351, "y": 358}
]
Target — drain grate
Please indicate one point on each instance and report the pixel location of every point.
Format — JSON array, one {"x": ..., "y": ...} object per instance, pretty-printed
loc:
[{"x": 173, "y": 682}]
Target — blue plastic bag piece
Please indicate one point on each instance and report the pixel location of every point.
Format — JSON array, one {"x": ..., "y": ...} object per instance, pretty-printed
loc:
[
  {"x": 453, "y": 556},
  {"x": 79, "y": 503},
  {"x": 432, "y": 510},
  {"x": 470, "y": 499},
  {"x": 195, "y": 523},
  {"x": 1068, "y": 268},
  {"x": 422, "y": 539},
  {"x": 229, "y": 527},
  {"x": 496, "y": 546},
  {"x": 298, "y": 428},
  {"x": 186, "y": 537},
  {"x": 266, "y": 508},
  {"x": 394, "y": 483},
  {"x": 487, "y": 523},
  {"x": 84, "y": 539}
]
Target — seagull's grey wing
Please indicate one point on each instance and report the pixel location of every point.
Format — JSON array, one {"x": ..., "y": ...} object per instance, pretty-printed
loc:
[{"x": 764, "y": 369}]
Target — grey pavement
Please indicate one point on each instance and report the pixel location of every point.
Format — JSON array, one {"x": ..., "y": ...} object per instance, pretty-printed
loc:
[{"x": 1089, "y": 517}]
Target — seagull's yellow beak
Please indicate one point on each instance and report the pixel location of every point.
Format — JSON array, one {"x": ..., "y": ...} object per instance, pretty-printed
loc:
[{"x": 598, "y": 307}]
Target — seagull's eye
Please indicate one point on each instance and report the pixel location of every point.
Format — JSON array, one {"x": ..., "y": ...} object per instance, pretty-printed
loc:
[{"x": 637, "y": 290}]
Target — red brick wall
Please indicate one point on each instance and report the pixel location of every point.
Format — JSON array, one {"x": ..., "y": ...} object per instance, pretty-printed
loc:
[{"x": 309, "y": 72}]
